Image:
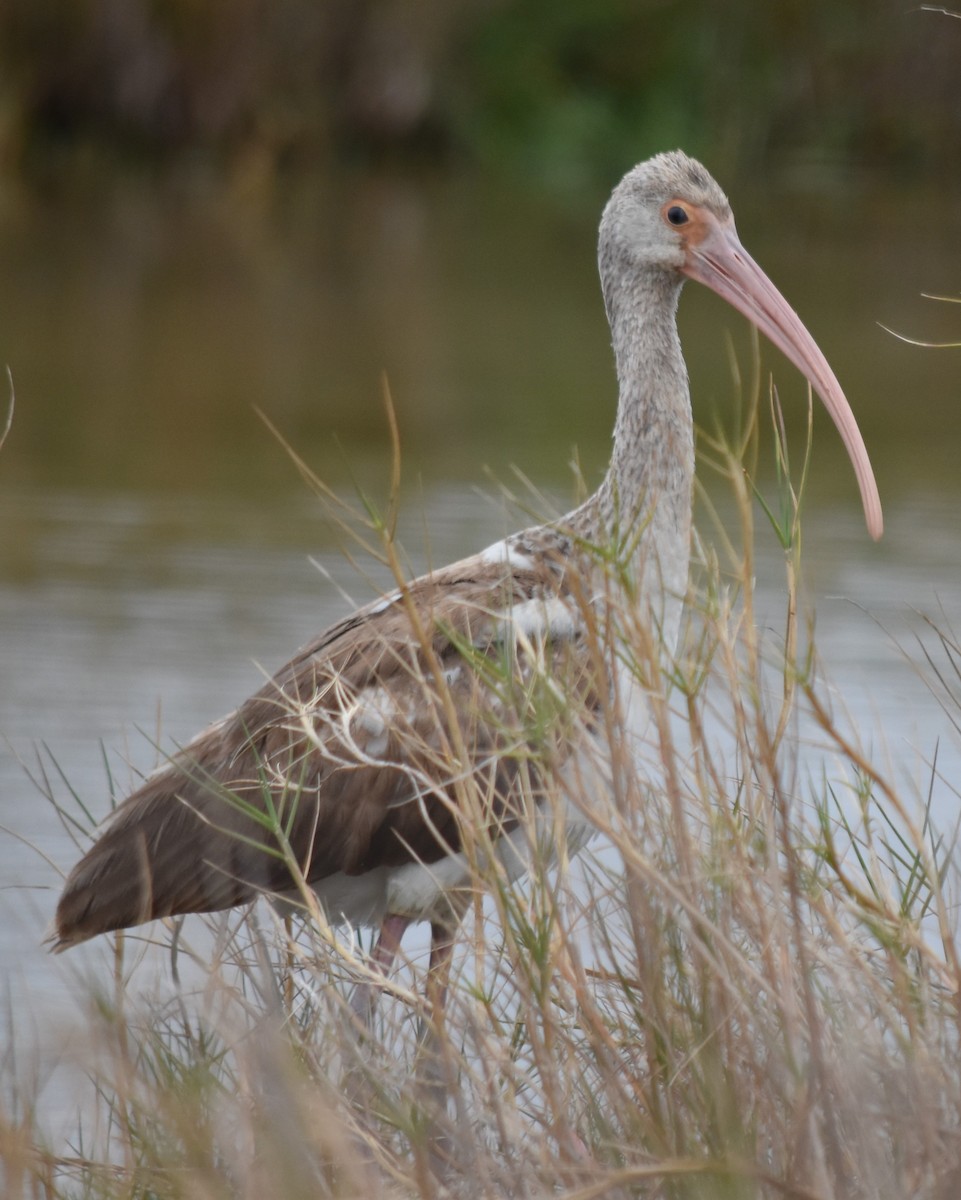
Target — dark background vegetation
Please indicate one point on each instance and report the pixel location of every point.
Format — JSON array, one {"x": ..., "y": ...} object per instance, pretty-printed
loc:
[{"x": 554, "y": 90}]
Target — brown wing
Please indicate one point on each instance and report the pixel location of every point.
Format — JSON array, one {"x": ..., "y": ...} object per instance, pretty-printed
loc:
[{"x": 359, "y": 753}]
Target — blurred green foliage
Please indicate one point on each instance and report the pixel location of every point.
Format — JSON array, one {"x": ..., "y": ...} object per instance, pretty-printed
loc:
[{"x": 560, "y": 90}]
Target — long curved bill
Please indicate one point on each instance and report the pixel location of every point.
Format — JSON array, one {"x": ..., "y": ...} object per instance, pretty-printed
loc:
[{"x": 718, "y": 260}]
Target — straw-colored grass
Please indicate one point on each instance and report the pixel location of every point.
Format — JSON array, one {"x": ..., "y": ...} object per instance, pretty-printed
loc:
[{"x": 746, "y": 986}]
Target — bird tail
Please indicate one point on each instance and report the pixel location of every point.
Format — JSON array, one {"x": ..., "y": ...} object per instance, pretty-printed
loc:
[{"x": 180, "y": 844}]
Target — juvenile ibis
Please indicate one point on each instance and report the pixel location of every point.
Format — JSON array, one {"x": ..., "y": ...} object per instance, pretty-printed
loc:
[{"x": 362, "y": 742}]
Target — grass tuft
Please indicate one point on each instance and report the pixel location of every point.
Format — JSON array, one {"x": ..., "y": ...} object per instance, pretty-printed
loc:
[{"x": 746, "y": 986}]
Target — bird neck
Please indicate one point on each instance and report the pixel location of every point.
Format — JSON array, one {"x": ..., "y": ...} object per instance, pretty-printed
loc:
[{"x": 643, "y": 506}]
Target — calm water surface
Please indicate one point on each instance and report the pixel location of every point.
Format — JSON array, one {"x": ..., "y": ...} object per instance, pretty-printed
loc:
[{"x": 156, "y": 543}]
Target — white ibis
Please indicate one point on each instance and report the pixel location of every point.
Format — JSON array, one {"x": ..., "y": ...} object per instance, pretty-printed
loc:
[{"x": 361, "y": 743}]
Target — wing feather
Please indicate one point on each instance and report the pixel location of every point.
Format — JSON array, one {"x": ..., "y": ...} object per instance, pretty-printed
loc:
[{"x": 349, "y": 758}]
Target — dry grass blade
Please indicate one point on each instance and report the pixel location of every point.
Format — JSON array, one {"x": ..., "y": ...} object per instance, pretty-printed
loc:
[
  {"x": 11, "y": 404},
  {"x": 746, "y": 987}
]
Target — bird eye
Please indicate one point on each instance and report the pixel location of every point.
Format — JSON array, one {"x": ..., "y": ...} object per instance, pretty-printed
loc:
[{"x": 677, "y": 215}]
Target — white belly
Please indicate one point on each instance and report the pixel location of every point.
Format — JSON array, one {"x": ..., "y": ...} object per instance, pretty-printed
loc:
[{"x": 420, "y": 890}]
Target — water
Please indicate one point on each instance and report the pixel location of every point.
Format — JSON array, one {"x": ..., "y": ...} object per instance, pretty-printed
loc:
[{"x": 156, "y": 541}]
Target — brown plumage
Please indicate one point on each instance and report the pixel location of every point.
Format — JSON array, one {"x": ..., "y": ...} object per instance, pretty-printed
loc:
[
  {"x": 354, "y": 747},
  {"x": 479, "y": 672}
]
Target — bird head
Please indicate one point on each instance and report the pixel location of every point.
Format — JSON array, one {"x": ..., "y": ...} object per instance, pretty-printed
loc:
[
  {"x": 667, "y": 221},
  {"x": 660, "y": 210}
]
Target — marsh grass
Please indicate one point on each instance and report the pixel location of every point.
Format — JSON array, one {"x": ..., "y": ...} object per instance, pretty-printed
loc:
[{"x": 746, "y": 986}]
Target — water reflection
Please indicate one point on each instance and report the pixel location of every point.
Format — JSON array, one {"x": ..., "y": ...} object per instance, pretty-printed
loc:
[
  {"x": 143, "y": 322},
  {"x": 140, "y": 621}
]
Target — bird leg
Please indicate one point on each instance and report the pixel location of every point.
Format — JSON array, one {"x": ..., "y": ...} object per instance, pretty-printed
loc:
[
  {"x": 442, "y": 938},
  {"x": 432, "y": 1040},
  {"x": 364, "y": 997},
  {"x": 436, "y": 1072}
]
